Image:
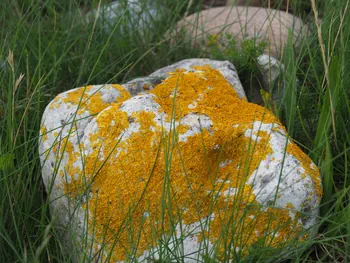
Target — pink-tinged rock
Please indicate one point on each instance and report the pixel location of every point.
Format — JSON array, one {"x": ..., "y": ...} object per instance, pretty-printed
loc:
[
  {"x": 240, "y": 22},
  {"x": 278, "y": 4}
]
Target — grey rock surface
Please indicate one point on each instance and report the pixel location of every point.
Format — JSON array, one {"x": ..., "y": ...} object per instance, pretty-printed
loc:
[{"x": 142, "y": 84}]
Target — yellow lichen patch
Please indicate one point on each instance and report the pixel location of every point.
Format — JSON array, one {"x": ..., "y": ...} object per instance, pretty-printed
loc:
[
  {"x": 56, "y": 103},
  {"x": 146, "y": 87},
  {"x": 218, "y": 98},
  {"x": 290, "y": 205},
  {"x": 43, "y": 132},
  {"x": 65, "y": 149},
  {"x": 144, "y": 182},
  {"x": 89, "y": 102},
  {"x": 250, "y": 225}
]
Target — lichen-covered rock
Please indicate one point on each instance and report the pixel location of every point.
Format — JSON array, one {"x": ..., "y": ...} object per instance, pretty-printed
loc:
[
  {"x": 184, "y": 170},
  {"x": 261, "y": 24}
]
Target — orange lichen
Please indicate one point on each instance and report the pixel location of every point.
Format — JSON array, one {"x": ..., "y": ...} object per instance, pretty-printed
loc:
[
  {"x": 43, "y": 132},
  {"x": 91, "y": 102},
  {"x": 143, "y": 184},
  {"x": 290, "y": 205},
  {"x": 146, "y": 87}
]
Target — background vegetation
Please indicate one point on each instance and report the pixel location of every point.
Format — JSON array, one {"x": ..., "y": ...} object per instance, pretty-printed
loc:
[{"x": 49, "y": 46}]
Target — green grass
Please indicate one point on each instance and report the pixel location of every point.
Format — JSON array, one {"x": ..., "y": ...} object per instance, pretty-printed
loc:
[{"x": 56, "y": 48}]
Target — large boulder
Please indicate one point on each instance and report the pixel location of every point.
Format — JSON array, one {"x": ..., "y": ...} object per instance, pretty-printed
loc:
[
  {"x": 241, "y": 23},
  {"x": 185, "y": 170}
]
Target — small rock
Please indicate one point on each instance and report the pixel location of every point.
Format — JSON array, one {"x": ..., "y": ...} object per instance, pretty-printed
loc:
[
  {"x": 137, "y": 176},
  {"x": 271, "y": 70},
  {"x": 261, "y": 24},
  {"x": 133, "y": 13}
]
